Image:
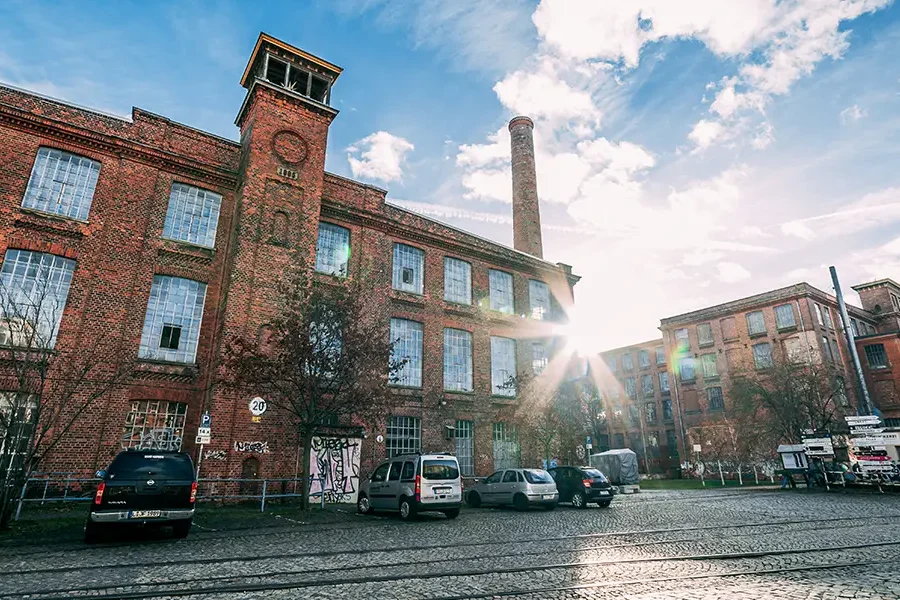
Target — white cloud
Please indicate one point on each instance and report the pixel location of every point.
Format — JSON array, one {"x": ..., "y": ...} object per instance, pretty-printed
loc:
[
  {"x": 853, "y": 113},
  {"x": 730, "y": 272},
  {"x": 705, "y": 133},
  {"x": 872, "y": 210},
  {"x": 380, "y": 156},
  {"x": 545, "y": 95}
]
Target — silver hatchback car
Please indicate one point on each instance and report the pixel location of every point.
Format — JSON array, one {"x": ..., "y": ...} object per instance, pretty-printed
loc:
[{"x": 521, "y": 488}]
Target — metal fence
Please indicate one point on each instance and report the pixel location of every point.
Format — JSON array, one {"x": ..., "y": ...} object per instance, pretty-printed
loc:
[{"x": 45, "y": 488}]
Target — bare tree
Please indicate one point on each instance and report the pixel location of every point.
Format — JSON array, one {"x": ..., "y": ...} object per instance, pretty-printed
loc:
[
  {"x": 326, "y": 357},
  {"x": 788, "y": 399},
  {"x": 45, "y": 387}
]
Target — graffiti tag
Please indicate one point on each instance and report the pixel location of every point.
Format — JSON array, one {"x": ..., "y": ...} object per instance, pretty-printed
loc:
[
  {"x": 257, "y": 447},
  {"x": 214, "y": 455},
  {"x": 163, "y": 438}
]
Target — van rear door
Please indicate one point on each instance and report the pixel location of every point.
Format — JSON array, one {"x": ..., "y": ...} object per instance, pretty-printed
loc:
[{"x": 440, "y": 482}]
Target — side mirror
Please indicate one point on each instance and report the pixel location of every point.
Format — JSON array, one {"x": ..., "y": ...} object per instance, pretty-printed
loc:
[{"x": 101, "y": 474}]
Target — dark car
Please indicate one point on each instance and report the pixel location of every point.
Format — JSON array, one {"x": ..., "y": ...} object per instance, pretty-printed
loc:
[
  {"x": 582, "y": 485},
  {"x": 148, "y": 488}
]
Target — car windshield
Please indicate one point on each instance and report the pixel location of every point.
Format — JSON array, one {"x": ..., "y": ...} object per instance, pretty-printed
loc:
[
  {"x": 537, "y": 476},
  {"x": 135, "y": 465},
  {"x": 440, "y": 469},
  {"x": 595, "y": 474}
]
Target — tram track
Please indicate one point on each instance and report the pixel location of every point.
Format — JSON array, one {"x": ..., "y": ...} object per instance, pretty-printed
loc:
[{"x": 101, "y": 592}]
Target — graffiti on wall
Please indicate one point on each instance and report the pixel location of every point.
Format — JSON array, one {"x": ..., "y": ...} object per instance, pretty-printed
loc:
[
  {"x": 334, "y": 466},
  {"x": 214, "y": 455},
  {"x": 257, "y": 447},
  {"x": 161, "y": 438}
]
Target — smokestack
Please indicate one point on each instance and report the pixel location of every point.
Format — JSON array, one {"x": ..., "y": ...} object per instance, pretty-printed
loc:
[{"x": 526, "y": 211}]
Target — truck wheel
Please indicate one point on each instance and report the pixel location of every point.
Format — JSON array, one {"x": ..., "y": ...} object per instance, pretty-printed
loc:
[
  {"x": 473, "y": 499},
  {"x": 181, "y": 529},
  {"x": 520, "y": 502},
  {"x": 452, "y": 513}
]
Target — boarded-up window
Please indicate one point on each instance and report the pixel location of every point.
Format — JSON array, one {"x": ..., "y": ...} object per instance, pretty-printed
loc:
[
  {"x": 735, "y": 359},
  {"x": 729, "y": 331},
  {"x": 691, "y": 401}
]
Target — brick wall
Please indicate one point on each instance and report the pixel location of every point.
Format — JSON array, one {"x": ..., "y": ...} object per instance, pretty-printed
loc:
[{"x": 274, "y": 190}]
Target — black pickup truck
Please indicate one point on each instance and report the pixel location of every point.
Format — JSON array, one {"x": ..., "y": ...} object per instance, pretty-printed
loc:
[{"x": 147, "y": 488}]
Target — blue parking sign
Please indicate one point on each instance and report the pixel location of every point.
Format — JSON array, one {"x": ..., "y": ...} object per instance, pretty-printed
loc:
[{"x": 205, "y": 420}]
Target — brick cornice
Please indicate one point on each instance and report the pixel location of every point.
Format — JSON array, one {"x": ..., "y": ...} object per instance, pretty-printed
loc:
[
  {"x": 52, "y": 128},
  {"x": 521, "y": 263}
]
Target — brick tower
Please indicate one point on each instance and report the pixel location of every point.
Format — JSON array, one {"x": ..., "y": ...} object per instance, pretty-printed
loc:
[
  {"x": 284, "y": 123},
  {"x": 526, "y": 209}
]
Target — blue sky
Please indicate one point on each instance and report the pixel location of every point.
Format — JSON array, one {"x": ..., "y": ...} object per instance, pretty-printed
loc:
[{"x": 690, "y": 152}]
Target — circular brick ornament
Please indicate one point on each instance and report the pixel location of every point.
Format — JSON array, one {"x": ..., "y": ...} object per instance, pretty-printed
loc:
[{"x": 289, "y": 147}]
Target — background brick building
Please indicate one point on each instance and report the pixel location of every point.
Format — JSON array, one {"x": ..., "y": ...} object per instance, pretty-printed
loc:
[
  {"x": 175, "y": 239},
  {"x": 641, "y": 413}
]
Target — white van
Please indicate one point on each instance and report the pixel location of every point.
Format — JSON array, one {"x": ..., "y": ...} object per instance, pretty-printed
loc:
[{"x": 411, "y": 484}]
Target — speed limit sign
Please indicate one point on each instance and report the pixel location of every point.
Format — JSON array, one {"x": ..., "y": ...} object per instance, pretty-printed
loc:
[{"x": 257, "y": 406}]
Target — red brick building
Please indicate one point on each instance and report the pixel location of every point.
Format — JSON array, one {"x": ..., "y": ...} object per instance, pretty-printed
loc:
[
  {"x": 879, "y": 353},
  {"x": 641, "y": 412},
  {"x": 703, "y": 350},
  {"x": 169, "y": 240}
]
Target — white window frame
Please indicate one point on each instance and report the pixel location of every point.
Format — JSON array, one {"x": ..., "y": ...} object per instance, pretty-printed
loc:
[
  {"x": 666, "y": 387},
  {"x": 710, "y": 367},
  {"x": 62, "y": 183},
  {"x": 333, "y": 250},
  {"x": 646, "y": 377},
  {"x": 720, "y": 396},
  {"x": 627, "y": 362},
  {"x": 756, "y": 323},
  {"x": 502, "y": 294},
  {"x": 703, "y": 340},
  {"x": 457, "y": 281},
  {"x": 34, "y": 289},
  {"x": 407, "y": 340},
  {"x": 507, "y": 454},
  {"x": 539, "y": 358},
  {"x": 757, "y": 358},
  {"x": 644, "y": 364},
  {"x": 465, "y": 446},
  {"x": 165, "y": 308},
  {"x": 503, "y": 366},
  {"x": 154, "y": 425},
  {"x": 192, "y": 215},
  {"x": 539, "y": 299},
  {"x": 682, "y": 339},
  {"x": 409, "y": 257},
  {"x": 779, "y": 316},
  {"x": 403, "y": 435},
  {"x": 689, "y": 362},
  {"x": 458, "y": 375}
]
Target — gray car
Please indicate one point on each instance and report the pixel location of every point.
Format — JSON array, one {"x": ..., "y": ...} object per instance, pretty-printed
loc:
[{"x": 520, "y": 488}]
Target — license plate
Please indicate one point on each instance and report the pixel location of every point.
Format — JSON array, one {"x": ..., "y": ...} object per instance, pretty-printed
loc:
[
  {"x": 604, "y": 493},
  {"x": 441, "y": 491},
  {"x": 145, "y": 514},
  {"x": 548, "y": 496}
]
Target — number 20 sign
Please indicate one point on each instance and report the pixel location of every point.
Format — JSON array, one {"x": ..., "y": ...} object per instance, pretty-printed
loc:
[{"x": 257, "y": 406}]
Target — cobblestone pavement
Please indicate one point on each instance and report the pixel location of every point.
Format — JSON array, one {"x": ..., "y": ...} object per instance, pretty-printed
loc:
[{"x": 686, "y": 544}]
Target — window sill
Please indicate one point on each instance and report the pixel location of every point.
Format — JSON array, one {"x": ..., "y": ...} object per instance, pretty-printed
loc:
[
  {"x": 753, "y": 336},
  {"x": 789, "y": 329},
  {"x": 165, "y": 369},
  {"x": 49, "y": 215},
  {"x": 711, "y": 377},
  {"x": 706, "y": 345},
  {"x": 452, "y": 393},
  {"x": 460, "y": 309},
  {"x": 502, "y": 398},
  {"x": 407, "y": 297},
  {"x": 189, "y": 246},
  {"x": 715, "y": 410},
  {"x": 39, "y": 220},
  {"x": 405, "y": 390},
  {"x": 189, "y": 251}
]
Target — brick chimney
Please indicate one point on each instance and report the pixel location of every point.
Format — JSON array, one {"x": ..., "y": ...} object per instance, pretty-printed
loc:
[{"x": 526, "y": 211}]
